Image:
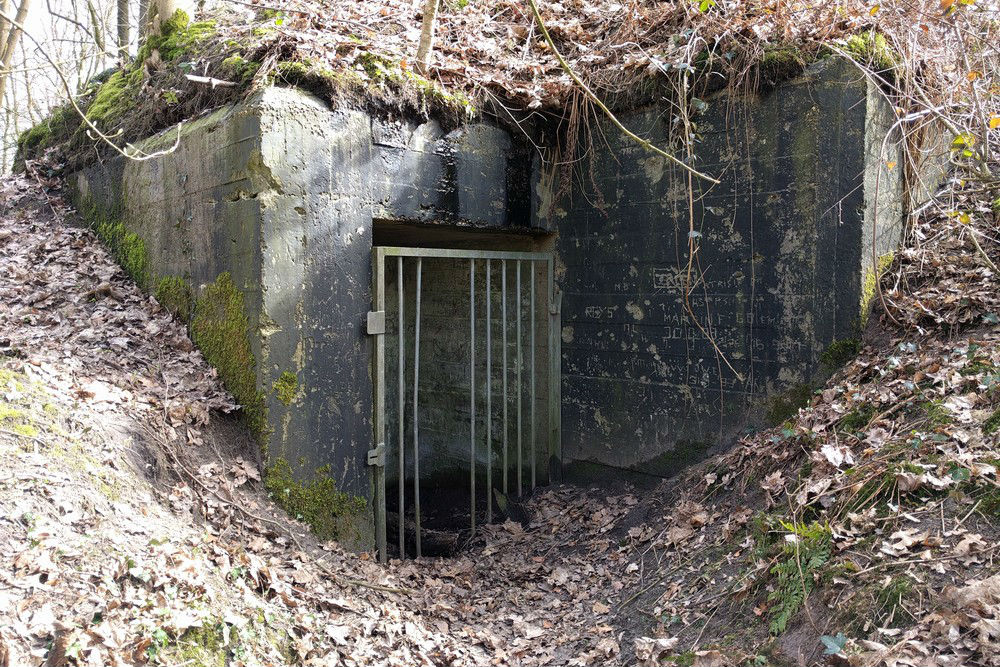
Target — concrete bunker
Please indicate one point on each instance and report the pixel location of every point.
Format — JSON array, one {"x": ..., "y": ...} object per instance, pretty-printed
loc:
[{"x": 686, "y": 314}]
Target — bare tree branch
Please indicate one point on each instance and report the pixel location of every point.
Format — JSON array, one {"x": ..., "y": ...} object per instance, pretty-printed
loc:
[
  {"x": 426, "y": 47},
  {"x": 123, "y": 29},
  {"x": 10, "y": 43},
  {"x": 129, "y": 151}
]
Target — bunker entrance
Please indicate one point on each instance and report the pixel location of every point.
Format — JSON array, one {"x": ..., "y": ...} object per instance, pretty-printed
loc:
[{"x": 466, "y": 390}]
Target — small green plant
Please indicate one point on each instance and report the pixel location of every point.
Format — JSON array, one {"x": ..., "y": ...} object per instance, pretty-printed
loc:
[
  {"x": 858, "y": 418},
  {"x": 806, "y": 550},
  {"x": 871, "y": 48},
  {"x": 890, "y": 610},
  {"x": 834, "y": 643},
  {"x": 937, "y": 413},
  {"x": 992, "y": 423},
  {"x": 160, "y": 639}
]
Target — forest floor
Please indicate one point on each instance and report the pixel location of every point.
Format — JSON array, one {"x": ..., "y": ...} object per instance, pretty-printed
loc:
[{"x": 134, "y": 528}]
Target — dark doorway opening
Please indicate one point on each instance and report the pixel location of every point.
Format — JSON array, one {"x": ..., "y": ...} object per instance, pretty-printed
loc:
[{"x": 465, "y": 371}]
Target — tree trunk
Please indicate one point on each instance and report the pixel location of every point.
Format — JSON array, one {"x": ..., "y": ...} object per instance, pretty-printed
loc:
[
  {"x": 426, "y": 48},
  {"x": 123, "y": 29},
  {"x": 13, "y": 35},
  {"x": 163, "y": 10},
  {"x": 143, "y": 20},
  {"x": 4, "y": 25}
]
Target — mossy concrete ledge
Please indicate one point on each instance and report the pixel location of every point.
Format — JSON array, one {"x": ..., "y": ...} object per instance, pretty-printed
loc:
[{"x": 257, "y": 231}]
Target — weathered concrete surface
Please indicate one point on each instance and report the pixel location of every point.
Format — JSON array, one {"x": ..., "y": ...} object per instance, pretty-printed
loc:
[
  {"x": 282, "y": 192},
  {"x": 782, "y": 246}
]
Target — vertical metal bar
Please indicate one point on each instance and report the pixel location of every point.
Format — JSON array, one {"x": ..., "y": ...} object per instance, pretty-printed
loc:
[
  {"x": 555, "y": 340},
  {"x": 531, "y": 341},
  {"x": 517, "y": 302},
  {"x": 489, "y": 399},
  {"x": 416, "y": 412},
  {"x": 400, "y": 414},
  {"x": 379, "y": 416},
  {"x": 503, "y": 310},
  {"x": 472, "y": 394}
]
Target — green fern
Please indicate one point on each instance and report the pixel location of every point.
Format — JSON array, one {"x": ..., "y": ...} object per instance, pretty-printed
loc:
[{"x": 808, "y": 548}]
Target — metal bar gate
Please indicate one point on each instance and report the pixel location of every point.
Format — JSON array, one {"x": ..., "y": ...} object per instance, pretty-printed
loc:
[{"x": 395, "y": 448}]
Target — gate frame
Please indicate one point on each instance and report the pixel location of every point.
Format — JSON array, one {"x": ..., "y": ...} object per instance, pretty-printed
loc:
[{"x": 376, "y": 327}]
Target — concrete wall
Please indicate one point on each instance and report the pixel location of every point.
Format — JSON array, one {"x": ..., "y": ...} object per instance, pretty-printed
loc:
[
  {"x": 282, "y": 192},
  {"x": 782, "y": 247}
]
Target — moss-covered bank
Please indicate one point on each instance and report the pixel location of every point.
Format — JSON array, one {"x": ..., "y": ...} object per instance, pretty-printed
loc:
[
  {"x": 318, "y": 502},
  {"x": 220, "y": 329}
]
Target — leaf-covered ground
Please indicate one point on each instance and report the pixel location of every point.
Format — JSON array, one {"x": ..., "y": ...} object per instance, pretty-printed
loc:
[{"x": 134, "y": 529}]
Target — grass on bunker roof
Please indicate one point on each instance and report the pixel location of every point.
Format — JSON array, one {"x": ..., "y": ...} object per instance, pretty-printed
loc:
[{"x": 489, "y": 59}]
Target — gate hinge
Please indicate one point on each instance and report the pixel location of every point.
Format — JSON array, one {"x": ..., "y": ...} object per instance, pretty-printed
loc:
[
  {"x": 376, "y": 457},
  {"x": 376, "y": 322}
]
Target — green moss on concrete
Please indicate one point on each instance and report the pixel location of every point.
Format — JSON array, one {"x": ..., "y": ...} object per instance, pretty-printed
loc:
[
  {"x": 383, "y": 70},
  {"x": 174, "y": 294},
  {"x": 127, "y": 247},
  {"x": 316, "y": 502},
  {"x": 786, "y": 405},
  {"x": 839, "y": 352},
  {"x": 870, "y": 284},
  {"x": 286, "y": 386},
  {"x": 221, "y": 330},
  {"x": 383, "y": 80},
  {"x": 872, "y": 49}
]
